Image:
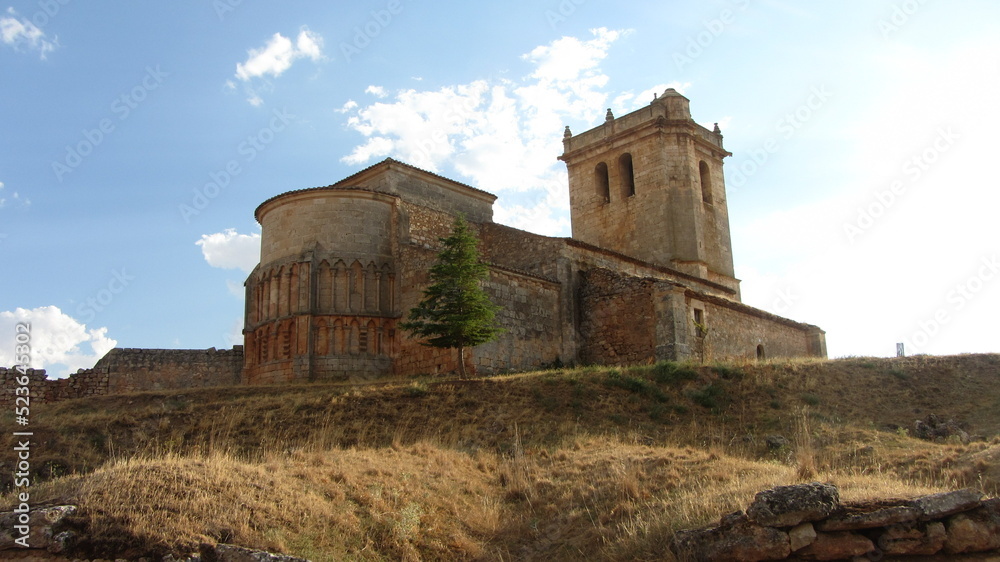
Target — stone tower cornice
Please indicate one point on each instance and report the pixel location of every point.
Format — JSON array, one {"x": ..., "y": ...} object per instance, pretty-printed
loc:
[{"x": 669, "y": 113}]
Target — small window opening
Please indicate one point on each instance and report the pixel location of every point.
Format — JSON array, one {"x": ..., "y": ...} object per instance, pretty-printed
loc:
[
  {"x": 627, "y": 175},
  {"x": 603, "y": 185},
  {"x": 699, "y": 322},
  {"x": 706, "y": 182}
]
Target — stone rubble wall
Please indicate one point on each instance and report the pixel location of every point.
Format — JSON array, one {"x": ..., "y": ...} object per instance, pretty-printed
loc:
[
  {"x": 808, "y": 522},
  {"x": 626, "y": 319},
  {"x": 618, "y": 323},
  {"x": 130, "y": 370}
]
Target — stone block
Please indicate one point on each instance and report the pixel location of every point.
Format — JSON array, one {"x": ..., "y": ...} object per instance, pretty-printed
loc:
[
  {"x": 850, "y": 518},
  {"x": 837, "y": 546},
  {"x": 977, "y": 530},
  {"x": 740, "y": 542},
  {"x": 787, "y": 506},
  {"x": 936, "y": 506}
]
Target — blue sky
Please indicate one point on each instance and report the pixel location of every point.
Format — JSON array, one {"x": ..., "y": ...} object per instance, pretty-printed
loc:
[{"x": 137, "y": 139}]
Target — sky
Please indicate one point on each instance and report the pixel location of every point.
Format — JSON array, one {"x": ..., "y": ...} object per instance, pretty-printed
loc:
[{"x": 136, "y": 140}]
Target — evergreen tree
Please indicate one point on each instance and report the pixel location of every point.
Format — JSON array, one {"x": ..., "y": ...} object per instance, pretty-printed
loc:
[{"x": 455, "y": 311}]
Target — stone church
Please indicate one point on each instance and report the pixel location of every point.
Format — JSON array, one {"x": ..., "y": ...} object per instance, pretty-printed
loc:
[{"x": 647, "y": 274}]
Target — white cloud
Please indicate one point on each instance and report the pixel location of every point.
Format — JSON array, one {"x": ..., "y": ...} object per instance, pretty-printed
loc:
[
  {"x": 348, "y": 105},
  {"x": 57, "y": 340},
  {"x": 375, "y": 147},
  {"x": 377, "y": 91},
  {"x": 231, "y": 250},
  {"x": 20, "y": 34},
  {"x": 277, "y": 56},
  {"x": 501, "y": 135},
  {"x": 569, "y": 58},
  {"x": 310, "y": 45}
]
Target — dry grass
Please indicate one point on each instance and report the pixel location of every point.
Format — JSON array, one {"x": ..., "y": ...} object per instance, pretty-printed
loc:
[
  {"x": 597, "y": 499},
  {"x": 553, "y": 465}
]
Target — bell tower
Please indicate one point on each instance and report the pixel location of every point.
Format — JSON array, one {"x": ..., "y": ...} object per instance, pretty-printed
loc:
[{"x": 649, "y": 185}]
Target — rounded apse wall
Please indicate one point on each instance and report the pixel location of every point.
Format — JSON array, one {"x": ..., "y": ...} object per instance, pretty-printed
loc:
[
  {"x": 350, "y": 222},
  {"x": 321, "y": 304}
]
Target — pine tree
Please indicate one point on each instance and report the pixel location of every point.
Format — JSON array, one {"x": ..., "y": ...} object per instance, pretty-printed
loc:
[{"x": 455, "y": 311}]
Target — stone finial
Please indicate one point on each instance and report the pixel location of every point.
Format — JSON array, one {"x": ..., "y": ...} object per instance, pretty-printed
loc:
[
  {"x": 717, "y": 130},
  {"x": 609, "y": 116},
  {"x": 655, "y": 96},
  {"x": 567, "y": 133}
]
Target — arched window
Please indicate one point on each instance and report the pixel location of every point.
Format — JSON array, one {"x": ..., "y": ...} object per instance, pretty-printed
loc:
[
  {"x": 603, "y": 185},
  {"x": 627, "y": 175},
  {"x": 706, "y": 182},
  {"x": 760, "y": 352}
]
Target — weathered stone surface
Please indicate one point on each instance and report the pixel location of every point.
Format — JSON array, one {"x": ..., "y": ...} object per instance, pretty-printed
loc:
[
  {"x": 743, "y": 542},
  {"x": 801, "y": 536},
  {"x": 936, "y": 429},
  {"x": 132, "y": 370},
  {"x": 936, "y": 506},
  {"x": 837, "y": 546},
  {"x": 47, "y": 529},
  {"x": 854, "y": 518},
  {"x": 787, "y": 506},
  {"x": 913, "y": 539},
  {"x": 977, "y": 530}
]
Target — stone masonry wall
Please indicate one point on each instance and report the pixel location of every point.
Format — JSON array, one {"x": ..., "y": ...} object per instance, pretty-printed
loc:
[
  {"x": 131, "y": 370},
  {"x": 808, "y": 522},
  {"x": 617, "y": 321},
  {"x": 134, "y": 370},
  {"x": 626, "y": 319},
  {"x": 91, "y": 382},
  {"x": 520, "y": 250},
  {"x": 529, "y": 315},
  {"x": 735, "y": 331},
  {"x": 530, "y": 303}
]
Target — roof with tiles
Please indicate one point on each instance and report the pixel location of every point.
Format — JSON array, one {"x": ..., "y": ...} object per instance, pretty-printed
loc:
[{"x": 386, "y": 164}]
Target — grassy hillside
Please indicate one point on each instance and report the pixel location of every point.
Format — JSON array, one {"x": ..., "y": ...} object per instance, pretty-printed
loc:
[{"x": 553, "y": 464}]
